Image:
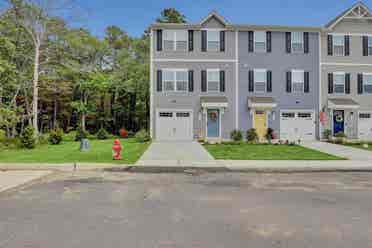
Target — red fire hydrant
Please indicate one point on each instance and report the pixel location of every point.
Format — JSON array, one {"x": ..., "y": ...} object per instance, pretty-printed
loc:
[{"x": 116, "y": 150}]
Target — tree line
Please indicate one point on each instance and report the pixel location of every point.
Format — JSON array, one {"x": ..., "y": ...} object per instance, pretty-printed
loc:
[{"x": 54, "y": 75}]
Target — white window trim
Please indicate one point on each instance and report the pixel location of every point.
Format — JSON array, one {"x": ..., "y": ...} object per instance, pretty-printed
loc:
[
  {"x": 365, "y": 83},
  {"x": 254, "y": 80},
  {"x": 334, "y": 88},
  {"x": 174, "y": 31},
  {"x": 213, "y": 70},
  {"x": 254, "y": 42},
  {"x": 219, "y": 40},
  {"x": 333, "y": 45},
  {"x": 174, "y": 80},
  {"x": 303, "y": 42},
  {"x": 303, "y": 82}
]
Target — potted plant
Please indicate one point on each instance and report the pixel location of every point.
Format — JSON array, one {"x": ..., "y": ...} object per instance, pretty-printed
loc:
[{"x": 340, "y": 138}]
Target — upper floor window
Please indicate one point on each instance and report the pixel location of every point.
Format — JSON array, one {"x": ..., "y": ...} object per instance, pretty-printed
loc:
[
  {"x": 260, "y": 79},
  {"x": 367, "y": 83},
  {"x": 338, "y": 45},
  {"x": 213, "y": 80},
  {"x": 175, "y": 40},
  {"x": 298, "y": 80},
  {"x": 213, "y": 40},
  {"x": 339, "y": 83},
  {"x": 297, "y": 41},
  {"x": 370, "y": 45},
  {"x": 175, "y": 80},
  {"x": 260, "y": 41}
]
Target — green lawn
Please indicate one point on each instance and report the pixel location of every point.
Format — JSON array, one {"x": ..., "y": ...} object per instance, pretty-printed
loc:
[
  {"x": 360, "y": 146},
  {"x": 68, "y": 152},
  {"x": 265, "y": 152}
]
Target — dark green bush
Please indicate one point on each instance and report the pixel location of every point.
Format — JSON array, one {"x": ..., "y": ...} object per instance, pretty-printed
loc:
[
  {"x": 102, "y": 134},
  {"x": 43, "y": 139},
  {"x": 252, "y": 135},
  {"x": 2, "y": 136},
  {"x": 56, "y": 136},
  {"x": 28, "y": 139},
  {"x": 81, "y": 134},
  {"x": 269, "y": 134},
  {"x": 236, "y": 135},
  {"x": 142, "y": 136}
]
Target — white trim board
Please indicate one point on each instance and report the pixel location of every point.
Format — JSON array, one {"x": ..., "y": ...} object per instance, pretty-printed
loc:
[
  {"x": 344, "y": 64},
  {"x": 197, "y": 60}
]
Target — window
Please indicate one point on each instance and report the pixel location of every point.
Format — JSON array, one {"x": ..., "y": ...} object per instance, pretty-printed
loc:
[
  {"x": 339, "y": 83},
  {"x": 367, "y": 83},
  {"x": 183, "y": 114},
  {"x": 364, "y": 116},
  {"x": 260, "y": 41},
  {"x": 288, "y": 115},
  {"x": 304, "y": 115},
  {"x": 175, "y": 40},
  {"x": 213, "y": 40},
  {"x": 298, "y": 81},
  {"x": 370, "y": 45},
  {"x": 297, "y": 40},
  {"x": 175, "y": 80},
  {"x": 260, "y": 78},
  {"x": 338, "y": 45},
  {"x": 213, "y": 80},
  {"x": 166, "y": 114}
]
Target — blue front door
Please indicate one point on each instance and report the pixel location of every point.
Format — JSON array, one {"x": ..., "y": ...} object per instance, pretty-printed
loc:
[
  {"x": 338, "y": 121},
  {"x": 213, "y": 123}
]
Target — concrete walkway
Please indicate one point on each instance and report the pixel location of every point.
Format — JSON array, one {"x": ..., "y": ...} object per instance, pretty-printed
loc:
[
  {"x": 340, "y": 150},
  {"x": 175, "y": 153},
  {"x": 14, "y": 179}
]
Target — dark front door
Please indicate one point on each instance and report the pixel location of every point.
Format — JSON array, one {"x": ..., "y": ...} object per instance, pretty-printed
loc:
[{"x": 338, "y": 121}]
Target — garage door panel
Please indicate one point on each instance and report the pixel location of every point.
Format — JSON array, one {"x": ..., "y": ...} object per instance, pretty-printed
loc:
[
  {"x": 297, "y": 125},
  {"x": 365, "y": 126},
  {"x": 174, "y": 125}
]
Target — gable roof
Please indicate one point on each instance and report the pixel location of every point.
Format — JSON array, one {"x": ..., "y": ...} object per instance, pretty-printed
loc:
[
  {"x": 215, "y": 15},
  {"x": 357, "y": 11}
]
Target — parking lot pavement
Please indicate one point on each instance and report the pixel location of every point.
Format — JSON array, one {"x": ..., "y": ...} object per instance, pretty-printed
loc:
[
  {"x": 102, "y": 209},
  {"x": 13, "y": 179}
]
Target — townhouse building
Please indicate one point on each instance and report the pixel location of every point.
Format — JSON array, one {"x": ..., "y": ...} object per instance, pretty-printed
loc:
[{"x": 213, "y": 77}]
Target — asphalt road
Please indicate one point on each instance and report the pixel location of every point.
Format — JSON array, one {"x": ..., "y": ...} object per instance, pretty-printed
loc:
[{"x": 99, "y": 210}]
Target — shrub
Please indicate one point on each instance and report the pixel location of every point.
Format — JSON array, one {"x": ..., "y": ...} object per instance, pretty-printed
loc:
[
  {"x": 28, "y": 139},
  {"x": 102, "y": 134},
  {"x": 340, "y": 138},
  {"x": 2, "y": 136},
  {"x": 56, "y": 136},
  {"x": 269, "y": 135},
  {"x": 340, "y": 135},
  {"x": 142, "y": 136},
  {"x": 327, "y": 133},
  {"x": 80, "y": 134},
  {"x": 123, "y": 133},
  {"x": 236, "y": 135},
  {"x": 43, "y": 139},
  {"x": 252, "y": 135}
]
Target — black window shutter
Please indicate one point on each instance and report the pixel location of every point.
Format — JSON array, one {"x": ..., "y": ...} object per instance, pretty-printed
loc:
[
  {"x": 191, "y": 40},
  {"x": 159, "y": 40},
  {"x": 306, "y": 82},
  {"x": 204, "y": 81},
  {"x": 306, "y": 42},
  {"x": 347, "y": 45},
  {"x": 268, "y": 41},
  {"x": 222, "y": 81},
  {"x": 365, "y": 45},
  {"x": 250, "y": 81},
  {"x": 191, "y": 81},
  {"x": 330, "y": 83},
  {"x": 159, "y": 81},
  {"x": 289, "y": 82},
  {"x": 347, "y": 83},
  {"x": 204, "y": 40},
  {"x": 269, "y": 83},
  {"x": 288, "y": 37},
  {"x": 330, "y": 45},
  {"x": 222, "y": 41},
  {"x": 360, "y": 83},
  {"x": 250, "y": 41}
]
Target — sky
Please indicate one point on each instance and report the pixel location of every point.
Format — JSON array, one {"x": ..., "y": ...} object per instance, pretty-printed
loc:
[{"x": 134, "y": 16}]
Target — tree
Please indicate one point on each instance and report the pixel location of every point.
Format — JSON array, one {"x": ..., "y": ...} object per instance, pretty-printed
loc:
[{"x": 171, "y": 15}]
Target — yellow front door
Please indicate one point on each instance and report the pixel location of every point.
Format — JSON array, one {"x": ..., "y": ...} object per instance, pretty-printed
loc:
[{"x": 259, "y": 123}]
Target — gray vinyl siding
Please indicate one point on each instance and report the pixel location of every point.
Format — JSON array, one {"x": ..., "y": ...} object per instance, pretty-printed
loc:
[
  {"x": 279, "y": 62},
  {"x": 191, "y": 100},
  {"x": 353, "y": 64}
]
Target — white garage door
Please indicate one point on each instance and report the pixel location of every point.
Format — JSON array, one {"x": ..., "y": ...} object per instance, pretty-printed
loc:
[
  {"x": 174, "y": 125},
  {"x": 365, "y": 126},
  {"x": 297, "y": 125}
]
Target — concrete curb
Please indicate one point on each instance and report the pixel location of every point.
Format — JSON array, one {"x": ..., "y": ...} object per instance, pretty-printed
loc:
[{"x": 58, "y": 167}]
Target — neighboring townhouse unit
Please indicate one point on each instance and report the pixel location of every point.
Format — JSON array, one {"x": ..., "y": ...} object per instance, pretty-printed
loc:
[
  {"x": 346, "y": 71},
  {"x": 210, "y": 78}
]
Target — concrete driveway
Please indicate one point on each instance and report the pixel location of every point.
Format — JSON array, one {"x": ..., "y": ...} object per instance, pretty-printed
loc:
[{"x": 175, "y": 153}]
